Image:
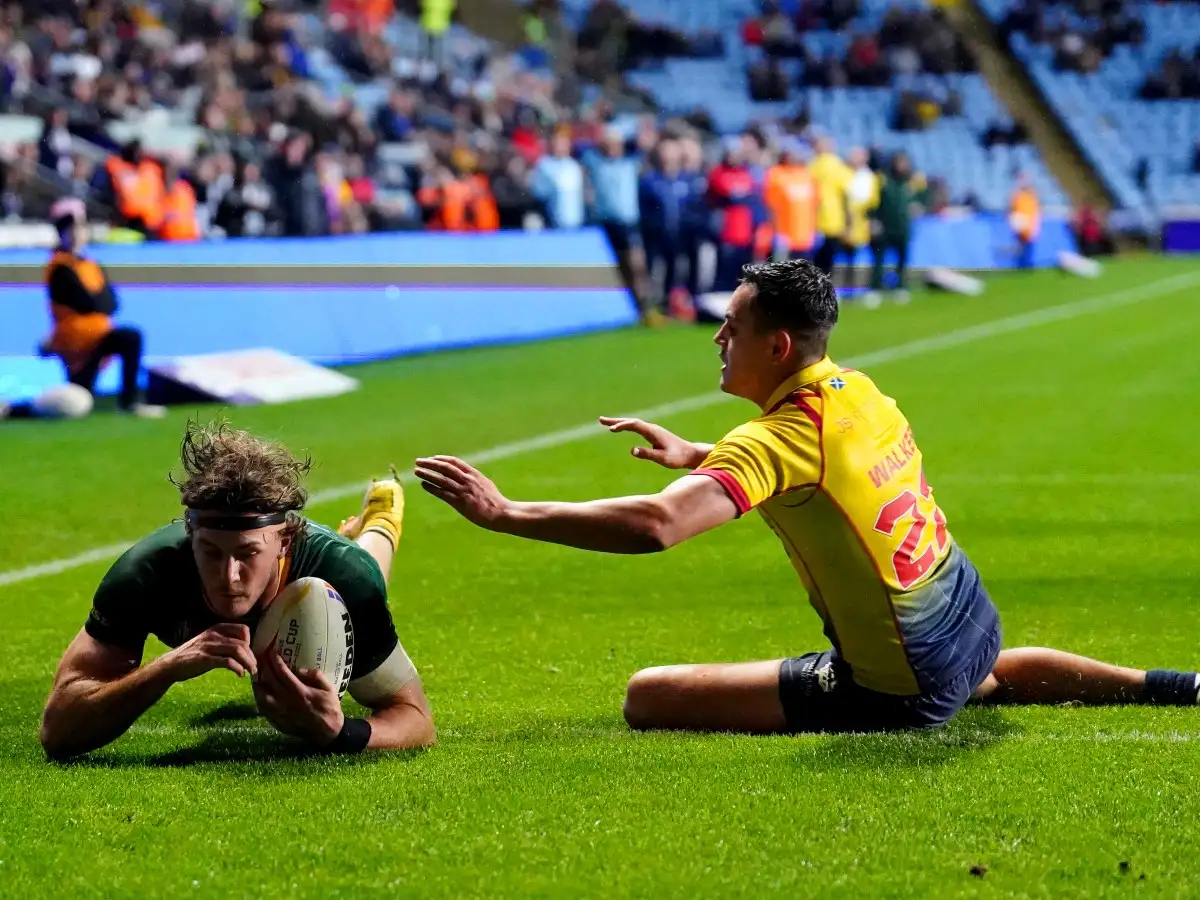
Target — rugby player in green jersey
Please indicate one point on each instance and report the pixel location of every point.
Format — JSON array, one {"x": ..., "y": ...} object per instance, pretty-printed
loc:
[{"x": 200, "y": 585}]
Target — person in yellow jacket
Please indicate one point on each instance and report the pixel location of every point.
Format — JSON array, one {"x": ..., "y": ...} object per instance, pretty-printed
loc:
[
  {"x": 791, "y": 196},
  {"x": 862, "y": 196},
  {"x": 435, "y": 22},
  {"x": 1025, "y": 217},
  {"x": 82, "y": 303},
  {"x": 832, "y": 177}
]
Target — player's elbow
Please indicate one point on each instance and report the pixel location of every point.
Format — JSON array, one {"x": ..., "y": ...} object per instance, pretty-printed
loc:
[
  {"x": 656, "y": 529},
  {"x": 54, "y": 741}
]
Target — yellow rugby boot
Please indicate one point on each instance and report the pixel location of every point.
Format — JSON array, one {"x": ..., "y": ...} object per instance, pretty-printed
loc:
[{"x": 382, "y": 512}]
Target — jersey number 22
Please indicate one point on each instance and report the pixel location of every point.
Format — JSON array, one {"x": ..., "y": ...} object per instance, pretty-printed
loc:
[{"x": 910, "y": 567}]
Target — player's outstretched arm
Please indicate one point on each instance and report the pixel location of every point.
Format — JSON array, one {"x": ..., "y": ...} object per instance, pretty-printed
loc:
[
  {"x": 639, "y": 524},
  {"x": 667, "y": 449},
  {"x": 100, "y": 690}
]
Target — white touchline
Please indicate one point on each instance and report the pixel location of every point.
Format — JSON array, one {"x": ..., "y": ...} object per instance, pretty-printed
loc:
[{"x": 958, "y": 337}]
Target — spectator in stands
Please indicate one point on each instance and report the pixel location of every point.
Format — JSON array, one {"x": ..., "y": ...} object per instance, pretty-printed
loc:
[
  {"x": 832, "y": 179},
  {"x": 862, "y": 196},
  {"x": 515, "y": 201},
  {"x": 778, "y": 32},
  {"x": 614, "y": 181},
  {"x": 663, "y": 202},
  {"x": 558, "y": 183},
  {"x": 900, "y": 192},
  {"x": 864, "y": 64},
  {"x": 179, "y": 221},
  {"x": 1091, "y": 232},
  {"x": 838, "y": 13},
  {"x": 1025, "y": 219},
  {"x": 435, "y": 22},
  {"x": 767, "y": 81},
  {"x": 731, "y": 192},
  {"x": 791, "y": 196},
  {"x": 696, "y": 230},
  {"x": 294, "y": 180},
  {"x": 54, "y": 146},
  {"x": 82, "y": 172},
  {"x": 132, "y": 184},
  {"x": 396, "y": 119},
  {"x": 248, "y": 208},
  {"x": 82, "y": 302}
]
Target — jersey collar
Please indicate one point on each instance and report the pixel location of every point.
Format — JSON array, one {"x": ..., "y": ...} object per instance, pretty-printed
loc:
[{"x": 808, "y": 375}]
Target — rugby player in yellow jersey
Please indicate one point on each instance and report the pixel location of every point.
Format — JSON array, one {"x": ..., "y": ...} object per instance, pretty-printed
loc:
[{"x": 832, "y": 466}]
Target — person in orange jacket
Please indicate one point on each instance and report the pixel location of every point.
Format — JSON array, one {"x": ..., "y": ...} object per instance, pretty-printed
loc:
[
  {"x": 791, "y": 196},
  {"x": 179, "y": 221},
  {"x": 82, "y": 303},
  {"x": 1025, "y": 216}
]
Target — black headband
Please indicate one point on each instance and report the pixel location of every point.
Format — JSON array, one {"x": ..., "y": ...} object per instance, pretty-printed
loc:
[{"x": 234, "y": 521}]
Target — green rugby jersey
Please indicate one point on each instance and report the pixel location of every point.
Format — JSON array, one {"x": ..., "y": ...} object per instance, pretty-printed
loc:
[{"x": 154, "y": 589}]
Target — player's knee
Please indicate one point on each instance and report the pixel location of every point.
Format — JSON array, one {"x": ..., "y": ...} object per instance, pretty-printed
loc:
[{"x": 648, "y": 690}]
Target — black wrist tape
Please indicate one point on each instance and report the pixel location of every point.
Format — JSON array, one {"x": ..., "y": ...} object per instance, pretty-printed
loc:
[{"x": 353, "y": 738}]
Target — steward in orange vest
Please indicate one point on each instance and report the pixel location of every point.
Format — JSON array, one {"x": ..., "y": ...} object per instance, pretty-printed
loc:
[
  {"x": 1025, "y": 217},
  {"x": 137, "y": 188},
  {"x": 82, "y": 303},
  {"x": 791, "y": 195},
  {"x": 178, "y": 209}
]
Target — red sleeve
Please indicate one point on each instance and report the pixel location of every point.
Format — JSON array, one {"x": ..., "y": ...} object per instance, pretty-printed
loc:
[{"x": 732, "y": 487}]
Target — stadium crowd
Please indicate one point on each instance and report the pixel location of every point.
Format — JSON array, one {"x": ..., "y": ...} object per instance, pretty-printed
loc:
[{"x": 465, "y": 140}]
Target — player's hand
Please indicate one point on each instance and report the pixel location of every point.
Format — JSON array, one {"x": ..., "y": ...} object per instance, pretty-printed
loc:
[
  {"x": 666, "y": 449},
  {"x": 224, "y": 646},
  {"x": 466, "y": 489},
  {"x": 304, "y": 704}
]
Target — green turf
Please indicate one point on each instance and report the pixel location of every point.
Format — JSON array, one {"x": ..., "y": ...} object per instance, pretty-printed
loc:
[{"x": 1063, "y": 453}]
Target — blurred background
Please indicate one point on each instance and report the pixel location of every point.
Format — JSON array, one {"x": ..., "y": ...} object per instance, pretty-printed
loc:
[{"x": 642, "y": 149}]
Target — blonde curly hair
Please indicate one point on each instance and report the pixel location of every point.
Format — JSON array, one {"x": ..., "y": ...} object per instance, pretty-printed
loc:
[{"x": 234, "y": 471}]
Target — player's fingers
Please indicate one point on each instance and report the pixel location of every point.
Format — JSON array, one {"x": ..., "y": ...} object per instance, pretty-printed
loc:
[
  {"x": 448, "y": 497},
  {"x": 234, "y": 666},
  {"x": 454, "y": 464},
  {"x": 287, "y": 678},
  {"x": 243, "y": 654},
  {"x": 653, "y": 454},
  {"x": 443, "y": 467},
  {"x": 315, "y": 678},
  {"x": 438, "y": 479},
  {"x": 233, "y": 630}
]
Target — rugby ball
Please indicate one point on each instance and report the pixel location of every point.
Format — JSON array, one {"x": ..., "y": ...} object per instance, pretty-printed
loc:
[
  {"x": 310, "y": 626},
  {"x": 66, "y": 401}
]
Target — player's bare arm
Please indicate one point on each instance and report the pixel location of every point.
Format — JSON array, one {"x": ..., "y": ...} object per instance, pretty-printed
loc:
[
  {"x": 101, "y": 689},
  {"x": 638, "y": 524}
]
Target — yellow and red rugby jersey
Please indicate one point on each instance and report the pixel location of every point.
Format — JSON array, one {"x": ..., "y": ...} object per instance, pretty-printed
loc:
[{"x": 832, "y": 467}]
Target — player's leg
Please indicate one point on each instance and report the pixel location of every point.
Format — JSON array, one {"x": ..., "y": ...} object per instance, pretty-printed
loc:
[
  {"x": 1043, "y": 675},
  {"x": 719, "y": 697},
  {"x": 378, "y": 527}
]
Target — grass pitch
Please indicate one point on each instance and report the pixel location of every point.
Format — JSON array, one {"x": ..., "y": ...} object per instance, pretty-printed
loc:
[{"x": 1061, "y": 446}]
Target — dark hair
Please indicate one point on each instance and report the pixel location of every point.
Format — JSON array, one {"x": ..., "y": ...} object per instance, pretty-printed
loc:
[
  {"x": 796, "y": 296},
  {"x": 236, "y": 472}
]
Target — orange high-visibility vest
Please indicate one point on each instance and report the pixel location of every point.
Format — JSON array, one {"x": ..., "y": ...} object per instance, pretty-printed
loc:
[
  {"x": 450, "y": 201},
  {"x": 179, "y": 213},
  {"x": 76, "y": 333},
  {"x": 1027, "y": 213},
  {"x": 484, "y": 214},
  {"x": 791, "y": 195},
  {"x": 139, "y": 189}
]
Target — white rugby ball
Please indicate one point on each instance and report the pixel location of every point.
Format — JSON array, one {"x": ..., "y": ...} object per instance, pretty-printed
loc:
[
  {"x": 310, "y": 626},
  {"x": 66, "y": 401}
]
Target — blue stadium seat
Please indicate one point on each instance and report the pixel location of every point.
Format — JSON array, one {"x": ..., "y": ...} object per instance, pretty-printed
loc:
[{"x": 1115, "y": 129}]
